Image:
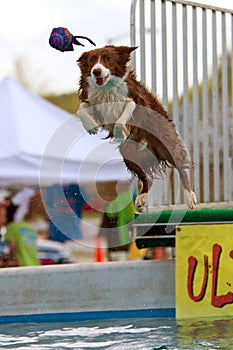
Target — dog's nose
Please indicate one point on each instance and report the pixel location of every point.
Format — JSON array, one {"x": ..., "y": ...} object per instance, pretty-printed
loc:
[{"x": 97, "y": 72}]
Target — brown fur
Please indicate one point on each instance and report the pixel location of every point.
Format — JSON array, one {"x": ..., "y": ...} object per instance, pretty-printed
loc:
[{"x": 150, "y": 125}]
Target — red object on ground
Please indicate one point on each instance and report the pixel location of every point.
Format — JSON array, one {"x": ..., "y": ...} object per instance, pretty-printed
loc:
[
  {"x": 99, "y": 256},
  {"x": 158, "y": 253}
]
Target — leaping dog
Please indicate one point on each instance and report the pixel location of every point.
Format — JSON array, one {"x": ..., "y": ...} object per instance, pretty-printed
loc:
[{"x": 113, "y": 99}]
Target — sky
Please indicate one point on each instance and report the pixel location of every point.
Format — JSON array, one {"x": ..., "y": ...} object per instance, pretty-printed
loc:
[{"x": 25, "y": 27}]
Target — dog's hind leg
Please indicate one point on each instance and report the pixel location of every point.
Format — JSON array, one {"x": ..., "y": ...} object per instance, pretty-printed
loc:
[
  {"x": 134, "y": 158},
  {"x": 141, "y": 199},
  {"x": 189, "y": 194},
  {"x": 178, "y": 157}
]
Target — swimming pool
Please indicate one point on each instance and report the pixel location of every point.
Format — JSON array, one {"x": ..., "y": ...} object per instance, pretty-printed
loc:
[{"x": 120, "y": 334}]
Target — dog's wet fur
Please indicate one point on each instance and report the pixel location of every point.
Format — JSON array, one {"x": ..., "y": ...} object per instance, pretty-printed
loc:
[{"x": 113, "y": 99}]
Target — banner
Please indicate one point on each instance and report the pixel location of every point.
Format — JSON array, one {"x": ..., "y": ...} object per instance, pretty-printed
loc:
[{"x": 204, "y": 270}]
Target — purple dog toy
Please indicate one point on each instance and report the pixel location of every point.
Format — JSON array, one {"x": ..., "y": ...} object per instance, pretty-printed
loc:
[{"x": 62, "y": 40}]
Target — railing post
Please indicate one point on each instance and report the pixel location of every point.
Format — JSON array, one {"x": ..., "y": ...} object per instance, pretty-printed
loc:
[{"x": 184, "y": 58}]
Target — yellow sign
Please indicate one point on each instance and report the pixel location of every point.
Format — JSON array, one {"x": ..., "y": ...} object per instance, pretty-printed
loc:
[{"x": 204, "y": 271}]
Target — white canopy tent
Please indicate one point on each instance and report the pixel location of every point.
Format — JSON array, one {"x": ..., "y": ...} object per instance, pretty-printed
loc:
[{"x": 40, "y": 144}]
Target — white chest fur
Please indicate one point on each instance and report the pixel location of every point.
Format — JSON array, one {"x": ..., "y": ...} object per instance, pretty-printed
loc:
[
  {"x": 108, "y": 106},
  {"x": 109, "y": 100}
]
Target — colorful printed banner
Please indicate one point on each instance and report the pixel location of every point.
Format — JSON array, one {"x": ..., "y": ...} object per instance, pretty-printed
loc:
[{"x": 204, "y": 271}]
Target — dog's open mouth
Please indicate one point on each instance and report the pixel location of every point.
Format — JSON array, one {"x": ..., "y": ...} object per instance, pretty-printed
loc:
[{"x": 102, "y": 81}]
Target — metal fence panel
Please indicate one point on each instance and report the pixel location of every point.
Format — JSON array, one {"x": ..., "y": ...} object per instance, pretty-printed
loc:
[{"x": 185, "y": 57}]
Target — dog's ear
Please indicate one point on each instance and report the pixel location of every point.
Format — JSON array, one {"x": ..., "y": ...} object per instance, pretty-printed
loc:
[
  {"x": 132, "y": 48},
  {"x": 125, "y": 49},
  {"x": 124, "y": 53},
  {"x": 82, "y": 61}
]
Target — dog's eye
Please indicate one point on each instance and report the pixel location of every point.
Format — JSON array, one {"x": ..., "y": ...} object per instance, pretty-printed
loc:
[{"x": 109, "y": 59}]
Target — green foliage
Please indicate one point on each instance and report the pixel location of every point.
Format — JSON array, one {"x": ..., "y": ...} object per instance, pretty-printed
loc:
[{"x": 68, "y": 102}]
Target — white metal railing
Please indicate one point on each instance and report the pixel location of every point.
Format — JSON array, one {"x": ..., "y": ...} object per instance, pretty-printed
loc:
[{"x": 185, "y": 57}]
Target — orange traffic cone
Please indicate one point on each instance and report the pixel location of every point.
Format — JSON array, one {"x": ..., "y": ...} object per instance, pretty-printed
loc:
[
  {"x": 158, "y": 253},
  {"x": 99, "y": 256}
]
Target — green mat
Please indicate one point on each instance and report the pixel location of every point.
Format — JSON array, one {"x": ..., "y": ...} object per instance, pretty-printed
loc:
[
  {"x": 186, "y": 216},
  {"x": 150, "y": 222}
]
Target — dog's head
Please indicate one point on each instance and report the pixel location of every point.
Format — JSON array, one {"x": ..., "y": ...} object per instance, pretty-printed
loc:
[{"x": 101, "y": 65}]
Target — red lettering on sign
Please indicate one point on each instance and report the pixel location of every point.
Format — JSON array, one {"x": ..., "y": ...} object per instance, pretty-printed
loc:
[
  {"x": 192, "y": 264},
  {"x": 216, "y": 300},
  {"x": 221, "y": 300}
]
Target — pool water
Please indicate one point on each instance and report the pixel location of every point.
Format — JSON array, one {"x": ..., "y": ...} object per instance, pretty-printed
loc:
[{"x": 119, "y": 334}]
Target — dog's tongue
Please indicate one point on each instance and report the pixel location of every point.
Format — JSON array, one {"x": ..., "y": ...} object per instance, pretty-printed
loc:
[
  {"x": 102, "y": 81},
  {"x": 99, "y": 81}
]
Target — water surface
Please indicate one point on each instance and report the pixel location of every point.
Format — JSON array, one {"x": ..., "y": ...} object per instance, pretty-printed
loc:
[{"x": 119, "y": 334}]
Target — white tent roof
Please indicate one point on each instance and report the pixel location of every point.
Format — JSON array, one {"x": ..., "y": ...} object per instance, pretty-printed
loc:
[{"x": 42, "y": 144}]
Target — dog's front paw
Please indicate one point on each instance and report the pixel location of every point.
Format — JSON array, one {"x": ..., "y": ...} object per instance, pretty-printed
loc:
[
  {"x": 191, "y": 199},
  {"x": 120, "y": 132},
  {"x": 141, "y": 201},
  {"x": 92, "y": 131}
]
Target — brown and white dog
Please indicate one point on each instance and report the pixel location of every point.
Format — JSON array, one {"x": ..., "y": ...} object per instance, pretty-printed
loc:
[{"x": 112, "y": 99}]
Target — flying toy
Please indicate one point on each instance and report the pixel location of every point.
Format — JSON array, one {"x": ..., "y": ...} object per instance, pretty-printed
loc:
[{"x": 62, "y": 40}]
